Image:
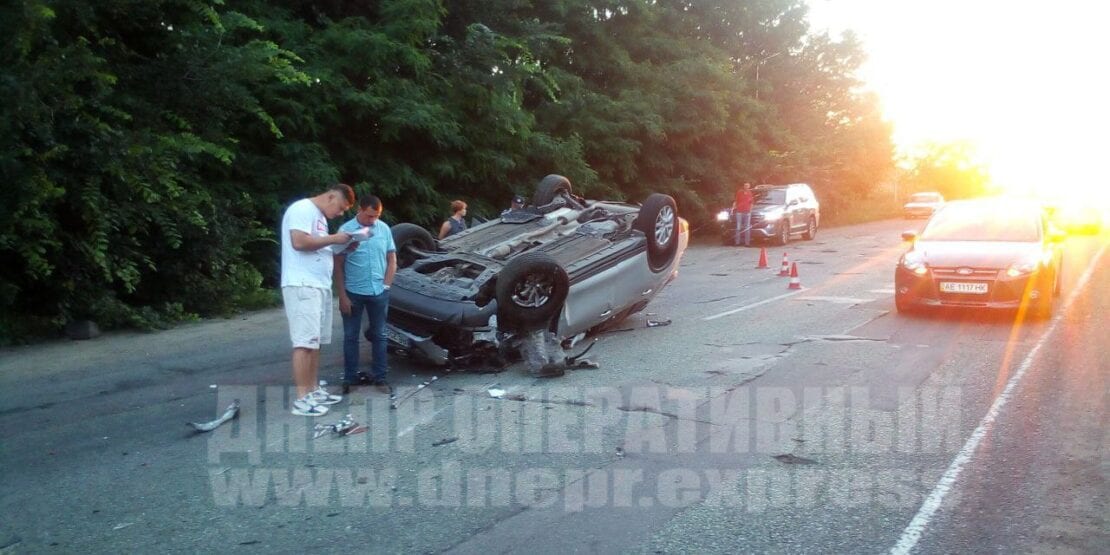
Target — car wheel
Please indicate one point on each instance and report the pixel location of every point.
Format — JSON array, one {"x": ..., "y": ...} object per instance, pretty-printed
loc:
[
  {"x": 408, "y": 238},
  {"x": 1042, "y": 308},
  {"x": 902, "y": 306},
  {"x": 549, "y": 188},
  {"x": 658, "y": 221},
  {"x": 811, "y": 229},
  {"x": 783, "y": 235},
  {"x": 531, "y": 290}
]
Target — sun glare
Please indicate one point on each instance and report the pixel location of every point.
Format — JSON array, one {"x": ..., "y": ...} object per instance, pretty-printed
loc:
[{"x": 1022, "y": 82}]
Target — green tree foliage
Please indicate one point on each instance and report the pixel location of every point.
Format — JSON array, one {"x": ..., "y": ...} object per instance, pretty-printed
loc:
[
  {"x": 122, "y": 122},
  {"x": 150, "y": 146},
  {"x": 950, "y": 169}
]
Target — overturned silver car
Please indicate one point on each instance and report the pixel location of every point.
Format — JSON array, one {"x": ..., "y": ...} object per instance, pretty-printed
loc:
[{"x": 561, "y": 265}]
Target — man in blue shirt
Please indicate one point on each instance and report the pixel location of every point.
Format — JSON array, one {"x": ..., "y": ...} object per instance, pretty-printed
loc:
[{"x": 363, "y": 274}]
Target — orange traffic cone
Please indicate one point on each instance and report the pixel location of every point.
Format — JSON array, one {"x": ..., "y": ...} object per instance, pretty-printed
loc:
[
  {"x": 785, "y": 270},
  {"x": 762, "y": 259},
  {"x": 795, "y": 281}
]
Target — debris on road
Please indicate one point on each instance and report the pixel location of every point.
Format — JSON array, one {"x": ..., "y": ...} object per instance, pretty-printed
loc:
[
  {"x": 570, "y": 342},
  {"x": 657, "y": 323},
  {"x": 231, "y": 413},
  {"x": 445, "y": 441},
  {"x": 546, "y": 358},
  {"x": 342, "y": 428},
  {"x": 576, "y": 362},
  {"x": 496, "y": 392},
  {"x": 396, "y": 402}
]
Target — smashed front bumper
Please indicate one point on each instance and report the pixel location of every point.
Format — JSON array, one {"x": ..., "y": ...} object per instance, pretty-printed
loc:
[
  {"x": 439, "y": 331},
  {"x": 467, "y": 345}
]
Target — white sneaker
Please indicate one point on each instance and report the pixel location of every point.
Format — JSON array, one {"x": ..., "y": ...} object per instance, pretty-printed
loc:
[
  {"x": 307, "y": 406},
  {"x": 322, "y": 397}
]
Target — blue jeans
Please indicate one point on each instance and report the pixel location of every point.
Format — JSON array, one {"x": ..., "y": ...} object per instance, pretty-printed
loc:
[
  {"x": 376, "y": 308},
  {"x": 744, "y": 228}
]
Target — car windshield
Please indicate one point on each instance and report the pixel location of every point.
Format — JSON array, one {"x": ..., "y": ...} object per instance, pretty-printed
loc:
[
  {"x": 925, "y": 197},
  {"x": 770, "y": 196},
  {"x": 983, "y": 222}
]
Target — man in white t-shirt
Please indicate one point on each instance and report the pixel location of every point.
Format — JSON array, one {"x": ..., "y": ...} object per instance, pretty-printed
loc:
[{"x": 306, "y": 277}]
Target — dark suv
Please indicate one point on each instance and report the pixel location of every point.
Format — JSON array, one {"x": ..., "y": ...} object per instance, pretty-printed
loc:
[{"x": 778, "y": 212}]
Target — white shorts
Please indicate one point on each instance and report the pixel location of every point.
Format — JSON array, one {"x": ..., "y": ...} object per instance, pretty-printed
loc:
[{"x": 309, "y": 312}]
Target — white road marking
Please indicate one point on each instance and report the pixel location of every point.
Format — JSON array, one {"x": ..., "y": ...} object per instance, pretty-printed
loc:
[
  {"x": 882, "y": 291},
  {"x": 750, "y": 306},
  {"x": 836, "y": 300},
  {"x": 929, "y": 507}
]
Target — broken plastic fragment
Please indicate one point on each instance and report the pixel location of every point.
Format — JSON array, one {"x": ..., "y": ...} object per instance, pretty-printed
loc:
[
  {"x": 229, "y": 414},
  {"x": 342, "y": 428},
  {"x": 496, "y": 392},
  {"x": 657, "y": 323}
]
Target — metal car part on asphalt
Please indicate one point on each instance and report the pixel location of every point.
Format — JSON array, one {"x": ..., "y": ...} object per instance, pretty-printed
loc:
[
  {"x": 342, "y": 428},
  {"x": 230, "y": 413},
  {"x": 396, "y": 402}
]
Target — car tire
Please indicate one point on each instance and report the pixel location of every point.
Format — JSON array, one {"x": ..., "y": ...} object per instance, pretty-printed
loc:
[
  {"x": 811, "y": 229},
  {"x": 658, "y": 221},
  {"x": 549, "y": 188},
  {"x": 903, "y": 307},
  {"x": 1042, "y": 309},
  {"x": 782, "y": 234},
  {"x": 408, "y": 235},
  {"x": 531, "y": 290}
]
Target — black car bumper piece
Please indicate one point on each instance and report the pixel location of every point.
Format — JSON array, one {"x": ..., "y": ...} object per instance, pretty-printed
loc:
[{"x": 435, "y": 329}]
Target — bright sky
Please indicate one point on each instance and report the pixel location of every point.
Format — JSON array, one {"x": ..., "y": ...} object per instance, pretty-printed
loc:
[{"x": 1025, "y": 81}]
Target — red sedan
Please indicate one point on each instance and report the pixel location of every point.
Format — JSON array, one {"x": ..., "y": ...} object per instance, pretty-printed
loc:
[{"x": 983, "y": 253}]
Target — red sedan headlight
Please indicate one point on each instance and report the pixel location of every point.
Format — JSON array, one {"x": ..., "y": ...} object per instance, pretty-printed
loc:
[{"x": 913, "y": 262}]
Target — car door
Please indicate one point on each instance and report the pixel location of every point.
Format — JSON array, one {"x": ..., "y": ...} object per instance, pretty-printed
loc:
[
  {"x": 805, "y": 208},
  {"x": 795, "y": 210}
]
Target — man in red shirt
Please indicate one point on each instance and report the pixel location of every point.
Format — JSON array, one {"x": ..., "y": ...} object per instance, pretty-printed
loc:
[{"x": 743, "y": 210}]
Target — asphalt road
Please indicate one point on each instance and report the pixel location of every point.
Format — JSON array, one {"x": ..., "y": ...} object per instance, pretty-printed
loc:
[{"x": 761, "y": 419}]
